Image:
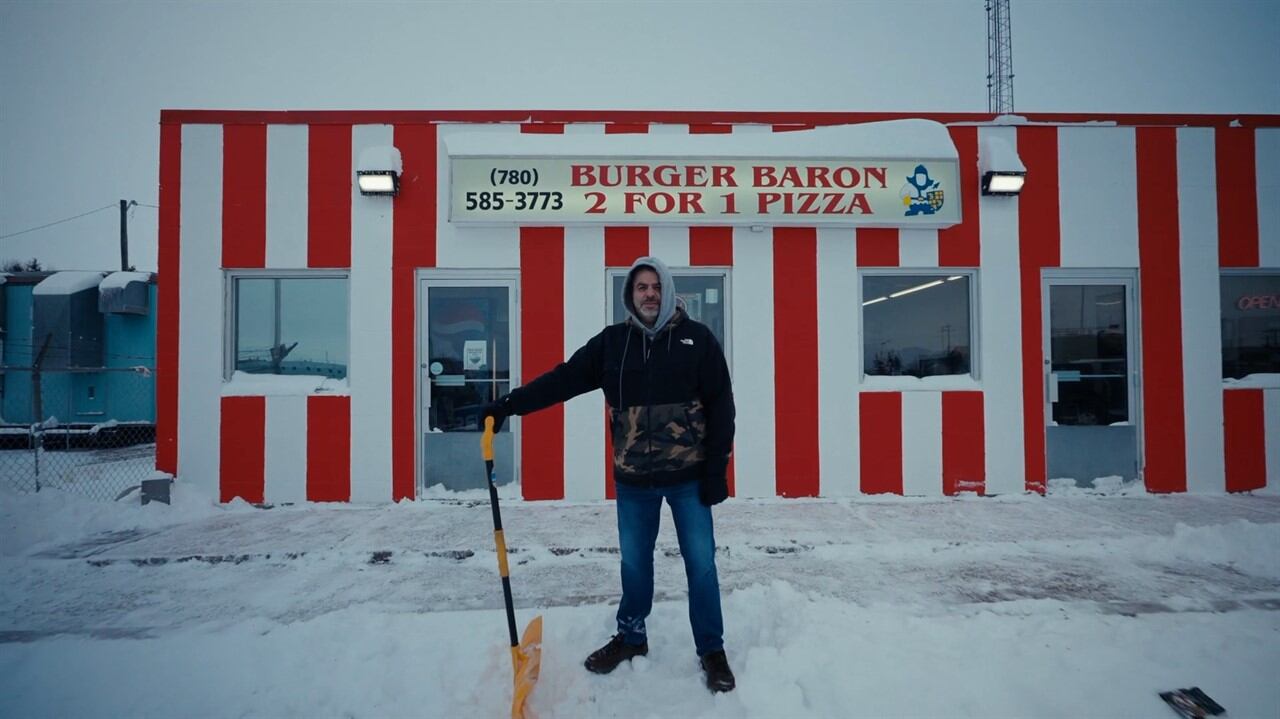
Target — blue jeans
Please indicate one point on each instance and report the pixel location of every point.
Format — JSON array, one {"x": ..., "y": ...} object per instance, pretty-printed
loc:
[{"x": 639, "y": 510}]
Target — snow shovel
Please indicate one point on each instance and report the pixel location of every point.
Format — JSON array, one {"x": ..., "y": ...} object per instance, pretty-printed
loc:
[{"x": 526, "y": 655}]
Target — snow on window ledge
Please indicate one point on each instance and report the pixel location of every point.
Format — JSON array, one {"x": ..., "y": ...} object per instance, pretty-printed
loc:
[
  {"x": 244, "y": 384},
  {"x": 907, "y": 383},
  {"x": 1253, "y": 381}
]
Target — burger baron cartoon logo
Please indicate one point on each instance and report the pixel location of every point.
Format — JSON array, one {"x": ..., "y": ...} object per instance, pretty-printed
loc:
[{"x": 921, "y": 195}]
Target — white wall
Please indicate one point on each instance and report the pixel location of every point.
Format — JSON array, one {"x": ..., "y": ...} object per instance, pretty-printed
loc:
[
  {"x": 1000, "y": 329},
  {"x": 200, "y": 306},
  {"x": 369, "y": 372},
  {"x": 1201, "y": 313}
]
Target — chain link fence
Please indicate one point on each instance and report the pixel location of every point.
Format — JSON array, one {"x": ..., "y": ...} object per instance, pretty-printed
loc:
[{"x": 90, "y": 432}]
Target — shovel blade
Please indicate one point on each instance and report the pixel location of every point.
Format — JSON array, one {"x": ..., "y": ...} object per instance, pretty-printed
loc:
[{"x": 527, "y": 659}]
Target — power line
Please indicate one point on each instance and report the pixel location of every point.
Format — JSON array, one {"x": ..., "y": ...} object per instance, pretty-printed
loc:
[{"x": 56, "y": 222}]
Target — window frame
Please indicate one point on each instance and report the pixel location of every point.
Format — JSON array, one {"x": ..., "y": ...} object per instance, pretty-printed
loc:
[
  {"x": 723, "y": 271},
  {"x": 229, "y": 297},
  {"x": 975, "y": 332},
  {"x": 1231, "y": 382}
]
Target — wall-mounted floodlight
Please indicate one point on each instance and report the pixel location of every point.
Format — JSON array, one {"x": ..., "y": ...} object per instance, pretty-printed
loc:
[
  {"x": 378, "y": 172},
  {"x": 1002, "y": 170}
]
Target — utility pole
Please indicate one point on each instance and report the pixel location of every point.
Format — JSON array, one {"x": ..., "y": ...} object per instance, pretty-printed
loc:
[
  {"x": 124, "y": 233},
  {"x": 999, "y": 58}
]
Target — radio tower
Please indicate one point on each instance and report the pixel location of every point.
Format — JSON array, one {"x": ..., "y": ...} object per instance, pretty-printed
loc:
[{"x": 999, "y": 58}]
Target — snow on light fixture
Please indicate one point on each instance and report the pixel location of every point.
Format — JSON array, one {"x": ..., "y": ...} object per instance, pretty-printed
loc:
[
  {"x": 378, "y": 172},
  {"x": 1002, "y": 170}
]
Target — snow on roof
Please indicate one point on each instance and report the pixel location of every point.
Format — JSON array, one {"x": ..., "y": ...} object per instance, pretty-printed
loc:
[
  {"x": 68, "y": 282},
  {"x": 119, "y": 280},
  {"x": 894, "y": 139}
]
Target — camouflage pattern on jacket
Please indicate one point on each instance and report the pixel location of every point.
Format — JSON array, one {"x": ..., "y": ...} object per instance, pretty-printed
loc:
[{"x": 657, "y": 438}]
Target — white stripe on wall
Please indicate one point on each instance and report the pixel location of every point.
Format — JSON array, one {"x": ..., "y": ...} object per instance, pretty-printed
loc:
[
  {"x": 287, "y": 196},
  {"x": 584, "y": 317},
  {"x": 369, "y": 371},
  {"x": 1266, "y": 151},
  {"x": 837, "y": 363},
  {"x": 918, "y": 248},
  {"x": 286, "y": 449},
  {"x": 753, "y": 380},
  {"x": 1098, "y": 196},
  {"x": 468, "y": 245},
  {"x": 1201, "y": 314},
  {"x": 922, "y": 444},
  {"x": 1271, "y": 416},
  {"x": 671, "y": 245},
  {"x": 200, "y": 302},
  {"x": 1000, "y": 331}
]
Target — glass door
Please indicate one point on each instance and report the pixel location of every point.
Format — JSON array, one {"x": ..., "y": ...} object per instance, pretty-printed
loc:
[
  {"x": 1091, "y": 377},
  {"x": 466, "y": 360}
]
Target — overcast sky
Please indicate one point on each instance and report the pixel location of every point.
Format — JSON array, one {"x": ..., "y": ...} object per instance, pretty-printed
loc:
[{"x": 82, "y": 83}]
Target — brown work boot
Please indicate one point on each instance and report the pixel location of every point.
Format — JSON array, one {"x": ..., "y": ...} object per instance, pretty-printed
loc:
[
  {"x": 607, "y": 658},
  {"x": 715, "y": 666}
]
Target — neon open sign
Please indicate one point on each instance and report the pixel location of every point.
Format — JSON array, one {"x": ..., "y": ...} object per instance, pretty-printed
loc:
[{"x": 1258, "y": 302}]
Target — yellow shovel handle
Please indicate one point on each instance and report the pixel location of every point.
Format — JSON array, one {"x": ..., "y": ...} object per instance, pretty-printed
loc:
[{"x": 486, "y": 440}]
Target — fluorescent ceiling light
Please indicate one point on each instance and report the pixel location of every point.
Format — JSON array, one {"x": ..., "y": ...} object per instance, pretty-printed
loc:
[{"x": 917, "y": 288}]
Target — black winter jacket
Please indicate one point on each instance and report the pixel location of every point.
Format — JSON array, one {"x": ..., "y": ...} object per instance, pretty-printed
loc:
[{"x": 670, "y": 399}]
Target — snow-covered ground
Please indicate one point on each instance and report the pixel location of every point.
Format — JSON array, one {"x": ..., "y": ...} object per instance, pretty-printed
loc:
[{"x": 1076, "y": 604}]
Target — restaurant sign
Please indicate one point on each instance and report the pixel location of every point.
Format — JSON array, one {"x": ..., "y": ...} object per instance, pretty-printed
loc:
[{"x": 691, "y": 191}]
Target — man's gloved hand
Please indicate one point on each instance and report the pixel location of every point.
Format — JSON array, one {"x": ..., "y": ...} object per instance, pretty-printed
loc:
[
  {"x": 499, "y": 409},
  {"x": 713, "y": 488}
]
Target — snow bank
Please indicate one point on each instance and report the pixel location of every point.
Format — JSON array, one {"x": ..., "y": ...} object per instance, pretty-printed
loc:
[
  {"x": 31, "y": 522},
  {"x": 796, "y": 655}
]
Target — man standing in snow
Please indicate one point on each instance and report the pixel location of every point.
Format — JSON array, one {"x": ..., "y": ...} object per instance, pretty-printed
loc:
[{"x": 671, "y": 414}]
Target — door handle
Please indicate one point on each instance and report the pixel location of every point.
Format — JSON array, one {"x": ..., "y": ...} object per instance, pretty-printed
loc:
[{"x": 1053, "y": 387}]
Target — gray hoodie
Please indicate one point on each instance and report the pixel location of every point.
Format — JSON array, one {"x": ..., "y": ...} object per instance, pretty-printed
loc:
[{"x": 667, "y": 308}]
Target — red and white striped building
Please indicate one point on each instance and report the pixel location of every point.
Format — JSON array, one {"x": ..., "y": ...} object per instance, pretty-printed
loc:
[{"x": 1175, "y": 201}]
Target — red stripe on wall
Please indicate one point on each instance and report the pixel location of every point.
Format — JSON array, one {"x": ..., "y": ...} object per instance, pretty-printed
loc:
[
  {"x": 244, "y": 196},
  {"x": 1237, "y": 197},
  {"x": 705, "y": 129},
  {"x": 542, "y": 348},
  {"x": 795, "y": 311},
  {"x": 880, "y": 435},
  {"x": 877, "y": 246},
  {"x": 242, "y": 448},
  {"x": 1163, "y": 421},
  {"x": 1245, "y": 432},
  {"x": 1039, "y": 246},
  {"x": 710, "y": 246},
  {"x": 167, "y": 299},
  {"x": 542, "y": 128},
  {"x": 624, "y": 245},
  {"x": 958, "y": 246},
  {"x": 963, "y": 443},
  {"x": 329, "y": 178},
  {"x": 328, "y": 448},
  {"x": 413, "y": 245},
  {"x": 626, "y": 128}
]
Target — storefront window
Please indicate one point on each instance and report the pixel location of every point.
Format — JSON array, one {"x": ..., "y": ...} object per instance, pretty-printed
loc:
[
  {"x": 290, "y": 325},
  {"x": 1250, "y": 324},
  {"x": 703, "y": 293},
  {"x": 916, "y": 324}
]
